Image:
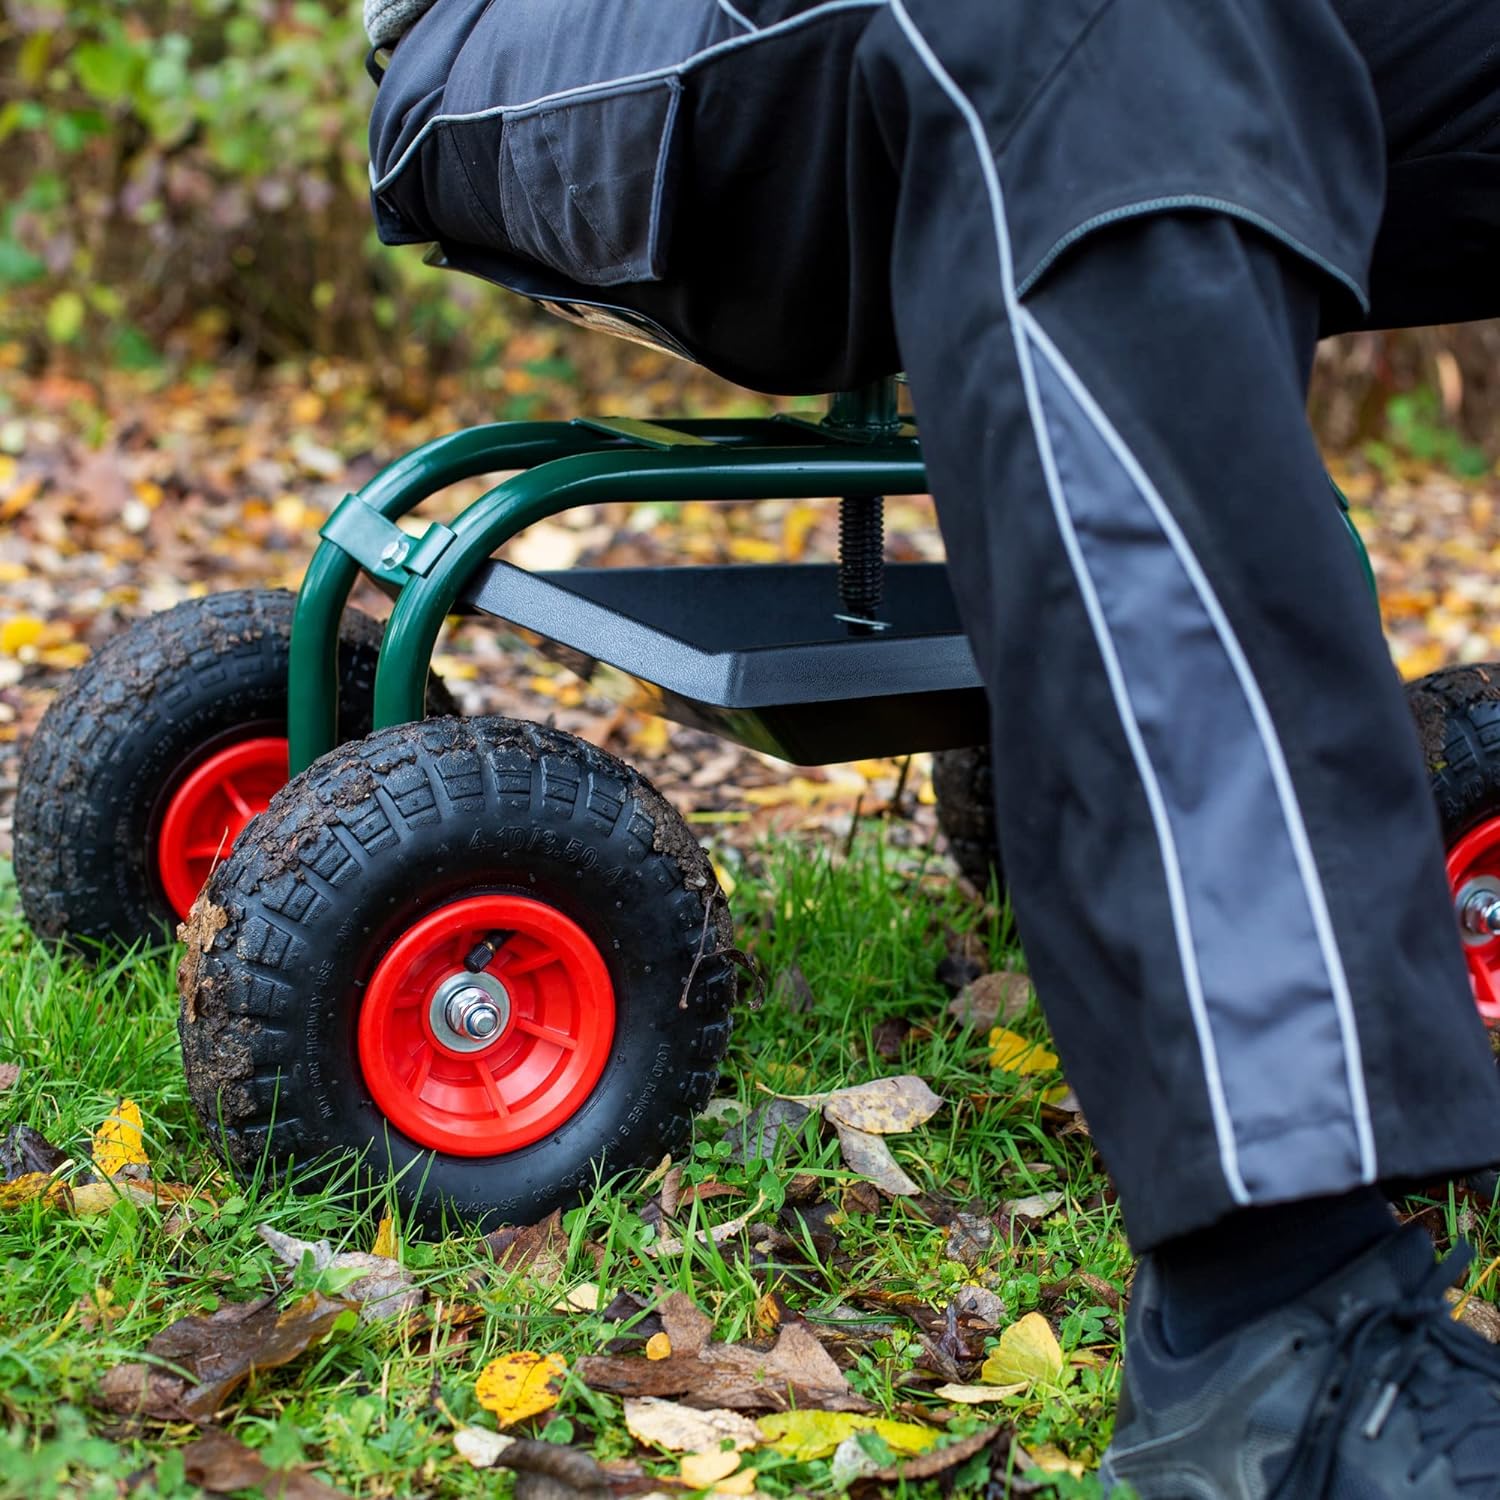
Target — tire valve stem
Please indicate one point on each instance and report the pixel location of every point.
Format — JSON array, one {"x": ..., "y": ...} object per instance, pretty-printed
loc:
[
  {"x": 1480, "y": 913},
  {"x": 482, "y": 954}
]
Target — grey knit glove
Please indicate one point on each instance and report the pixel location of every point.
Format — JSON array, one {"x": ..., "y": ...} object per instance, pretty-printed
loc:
[{"x": 387, "y": 21}]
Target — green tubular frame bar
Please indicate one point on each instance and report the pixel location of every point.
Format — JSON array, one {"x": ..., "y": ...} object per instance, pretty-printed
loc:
[{"x": 862, "y": 448}]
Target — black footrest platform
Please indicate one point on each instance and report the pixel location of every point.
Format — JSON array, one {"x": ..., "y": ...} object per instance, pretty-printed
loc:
[{"x": 757, "y": 654}]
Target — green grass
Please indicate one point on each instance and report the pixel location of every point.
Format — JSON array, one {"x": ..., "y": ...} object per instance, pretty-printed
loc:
[{"x": 374, "y": 1408}]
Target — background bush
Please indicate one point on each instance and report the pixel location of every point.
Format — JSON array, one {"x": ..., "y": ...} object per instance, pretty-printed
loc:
[
  {"x": 197, "y": 168},
  {"x": 190, "y": 176}
]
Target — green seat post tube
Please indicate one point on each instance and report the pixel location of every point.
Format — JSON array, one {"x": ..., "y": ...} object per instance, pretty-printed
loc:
[{"x": 633, "y": 477}]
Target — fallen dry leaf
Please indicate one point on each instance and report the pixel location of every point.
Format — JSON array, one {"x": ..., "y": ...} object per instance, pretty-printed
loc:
[
  {"x": 119, "y": 1143},
  {"x": 481, "y": 1447},
  {"x": 938, "y": 1460},
  {"x": 1035, "y": 1208},
  {"x": 221, "y": 1464},
  {"x": 552, "y": 1471},
  {"x": 741, "y": 1483},
  {"x": 761, "y": 1133},
  {"x": 993, "y": 1000},
  {"x": 970, "y": 1238},
  {"x": 979, "y": 1306},
  {"x": 806, "y": 1435},
  {"x": 658, "y": 1346},
  {"x": 886, "y": 1106},
  {"x": 700, "y": 1471},
  {"x": 540, "y": 1250},
  {"x": 381, "y": 1286},
  {"x": 582, "y": 1298},
  {"x": 10, "y": 1074},
  {"x": 978, "y": 1395},
  {"x": 1482, "y": 1317},
  {"x": 870, "y": 1156},
  {"x": 519, "y": 1385},
  {"x": 25, "y": 1152},
  {"x": 685, "y": 1325},
  {"x": 219, "y": 1351},
  {"x": 1028, "y": 1352},
  {"x": 385, "y": 1239},
  {"x": 796, "y": 1370},
  {"x": 1013, "y": 1053},
  {"x": 686, "y": 1429},
  {"x": 672, "y": 1245},
  {"x": 1050, "y": 1459}
]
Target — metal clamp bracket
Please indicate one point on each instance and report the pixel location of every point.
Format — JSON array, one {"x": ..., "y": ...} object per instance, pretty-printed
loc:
[{"x": 380, "y": 546}]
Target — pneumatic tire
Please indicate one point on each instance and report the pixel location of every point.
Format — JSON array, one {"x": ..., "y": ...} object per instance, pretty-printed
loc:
[
  {"x": 429, "y": 856},
  {"x": 1457, "y": 713},
  {"x": 964, "y": 784},
  {"x": 138, "y": 724}
]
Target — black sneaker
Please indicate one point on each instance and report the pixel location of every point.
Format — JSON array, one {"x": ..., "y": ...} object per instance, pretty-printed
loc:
[{"x": 1363, "y": 1389}]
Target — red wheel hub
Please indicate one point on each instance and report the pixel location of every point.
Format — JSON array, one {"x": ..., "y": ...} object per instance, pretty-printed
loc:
[
  {"x": 1475, "y": 861},
  {"x": 209, "y": 811},
  {"x": 547, "y": 996}
]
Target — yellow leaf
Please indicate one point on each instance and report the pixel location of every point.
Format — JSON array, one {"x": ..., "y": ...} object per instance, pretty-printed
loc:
[
  {"x": 1052, "y": 1460},
  {"x": 64, "y": 657},
  {"x": 455, "y": 668},
  {"x": 651, "y": 737},
  {"x": 385, "y": 1239},
  {"x": 117, "y": 1142},
  {"x": 1422, "y": 659},
  {"x": 583, "y": 1298},
  {"x": 754, "y": 549},
  {"x": 742, "y": 1483},
  {"x": 700, "y": 1470},
  {"x": 727, "y": 882},
  {"x": 19, "y": 631},
  {"x": 658, "y": 1346},
  {"x": 1028, "y": 1352},
  {"x": 795, "y": 527},
  {"x": 519, "y": 1385},
  {"x": 806, "y": 1435},
  {"x": 795, "y": 791},
  {"x": 1015, "y": 1054},
  {"x": 23, "y": 1189}
]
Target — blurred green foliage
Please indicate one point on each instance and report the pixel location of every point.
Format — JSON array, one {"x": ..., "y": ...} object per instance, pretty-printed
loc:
[{"x": 196, "y": 170}]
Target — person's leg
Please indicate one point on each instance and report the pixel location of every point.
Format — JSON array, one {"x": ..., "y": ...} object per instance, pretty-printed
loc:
[
  {"x": 1436, "y": 72},
  {"x": 1224, "y": 857}
]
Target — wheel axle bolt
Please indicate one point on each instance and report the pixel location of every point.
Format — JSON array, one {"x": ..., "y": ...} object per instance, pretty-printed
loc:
[
  {"x": 472, "y": 1013},
  {"x": 1481, "y": 912}
]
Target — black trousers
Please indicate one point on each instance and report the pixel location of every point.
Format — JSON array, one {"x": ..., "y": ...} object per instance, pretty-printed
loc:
[{"x": 1103, "y": 240}]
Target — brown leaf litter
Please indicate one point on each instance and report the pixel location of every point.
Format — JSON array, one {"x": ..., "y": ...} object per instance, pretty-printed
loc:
[
  {"x": 216, "y": 1354},
  {"x": 795, "y": 1371}
]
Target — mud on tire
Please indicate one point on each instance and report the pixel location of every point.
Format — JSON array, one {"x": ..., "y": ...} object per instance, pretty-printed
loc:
[
  {"x": 129, "y": 725},
  {"x": 375, "y": 838},
  {"x": 131, "y": 722}
]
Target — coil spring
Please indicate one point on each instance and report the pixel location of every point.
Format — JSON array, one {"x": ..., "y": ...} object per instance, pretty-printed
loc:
[{"x": 861, "y": 555}]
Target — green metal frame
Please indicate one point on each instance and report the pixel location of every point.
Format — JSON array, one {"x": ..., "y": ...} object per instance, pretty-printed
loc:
[{"x": 863, "y": 447}]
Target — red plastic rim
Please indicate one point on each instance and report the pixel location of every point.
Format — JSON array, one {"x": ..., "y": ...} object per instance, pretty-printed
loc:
[
  {"x": 542, "y": 1064},
  {"x": 209, "y": 811},
  {"x": 1476, "y": 856}
]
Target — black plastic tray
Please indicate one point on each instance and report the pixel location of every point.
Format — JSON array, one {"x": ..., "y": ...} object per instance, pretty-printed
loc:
[{"x": 757, "y": 653}]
